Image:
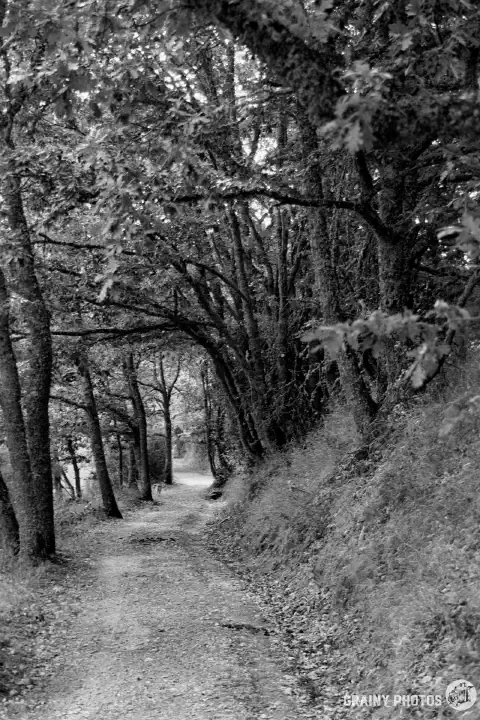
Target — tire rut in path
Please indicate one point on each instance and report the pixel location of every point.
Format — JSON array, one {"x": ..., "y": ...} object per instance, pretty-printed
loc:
[{"x": 164, "y": 631}]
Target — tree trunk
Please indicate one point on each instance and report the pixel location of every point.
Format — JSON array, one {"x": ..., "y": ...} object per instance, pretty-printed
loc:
[
  {"x": 168, "y": 443},
  {"x": 76, "y": 471},
  {"x": 250, "y": 322},
  {"x": 250, "y": 438},
  {"x": 68, "y": 485},
  {"x": 360, "y": 402},
  {"x": 397, "y": 202},
  {"x": 21, "y": 487},
  {"x": 268, "y": 429},
  {"x": 108, "y": 498},
  {"x": 166, "y": 389},
  {"x": 120, "y": 459},
  {"x": 37, "y": 380},
  {"x": 137, "y": 455},
  {"x": 223, "y": 469},
  {"x": 283, "y": 313},
  {"x": 132, "y": 477},
  {"x": 216, "y": 448},
  {"x": 19, "y": 268},
  {"x": 9, "y": 532},
  {"x": 57, "y": 481},
  {"x": 60, "y": 475},
  {"x": 209, "y": 430},
  {"x": 222, "y": 446},
  {"x": 144, "y": 484}
]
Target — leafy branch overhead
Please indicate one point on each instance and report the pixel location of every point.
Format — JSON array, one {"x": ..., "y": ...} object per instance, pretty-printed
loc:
[{"x": 431, "y": 338}]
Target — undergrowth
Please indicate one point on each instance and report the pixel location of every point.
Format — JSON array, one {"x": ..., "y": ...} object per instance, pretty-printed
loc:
[{"x": 375, "y": 577}]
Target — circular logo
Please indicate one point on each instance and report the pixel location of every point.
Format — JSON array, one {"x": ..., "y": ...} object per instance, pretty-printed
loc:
[{"x": 461, "y": 695}]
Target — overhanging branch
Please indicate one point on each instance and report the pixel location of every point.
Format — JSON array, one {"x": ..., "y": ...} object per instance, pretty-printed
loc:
[{"x": 362, "y": 209}]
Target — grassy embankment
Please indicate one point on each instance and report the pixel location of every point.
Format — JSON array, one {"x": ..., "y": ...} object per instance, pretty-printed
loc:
[{"x": 373, "y": 574}]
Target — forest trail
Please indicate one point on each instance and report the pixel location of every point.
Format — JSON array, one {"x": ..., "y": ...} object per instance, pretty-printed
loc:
[{"x": 160, "y": 629}]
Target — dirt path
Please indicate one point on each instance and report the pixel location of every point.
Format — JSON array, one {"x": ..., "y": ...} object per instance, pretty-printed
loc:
[{"x": 163, "y": 631}]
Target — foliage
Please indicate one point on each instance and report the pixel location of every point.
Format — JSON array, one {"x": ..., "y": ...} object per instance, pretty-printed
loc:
[{"x": 371, "y": 334}]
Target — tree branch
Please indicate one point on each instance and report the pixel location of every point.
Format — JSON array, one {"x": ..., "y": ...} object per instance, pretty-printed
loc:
[
  {"x": 363, "y": 209},
  {"x": 47, "y": 240},
  {"x": 117, "y": 332},
  {"x": 67, "y": 401}
]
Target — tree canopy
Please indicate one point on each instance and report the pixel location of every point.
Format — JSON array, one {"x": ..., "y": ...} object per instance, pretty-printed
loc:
[{"x": 290, "y": 186}]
